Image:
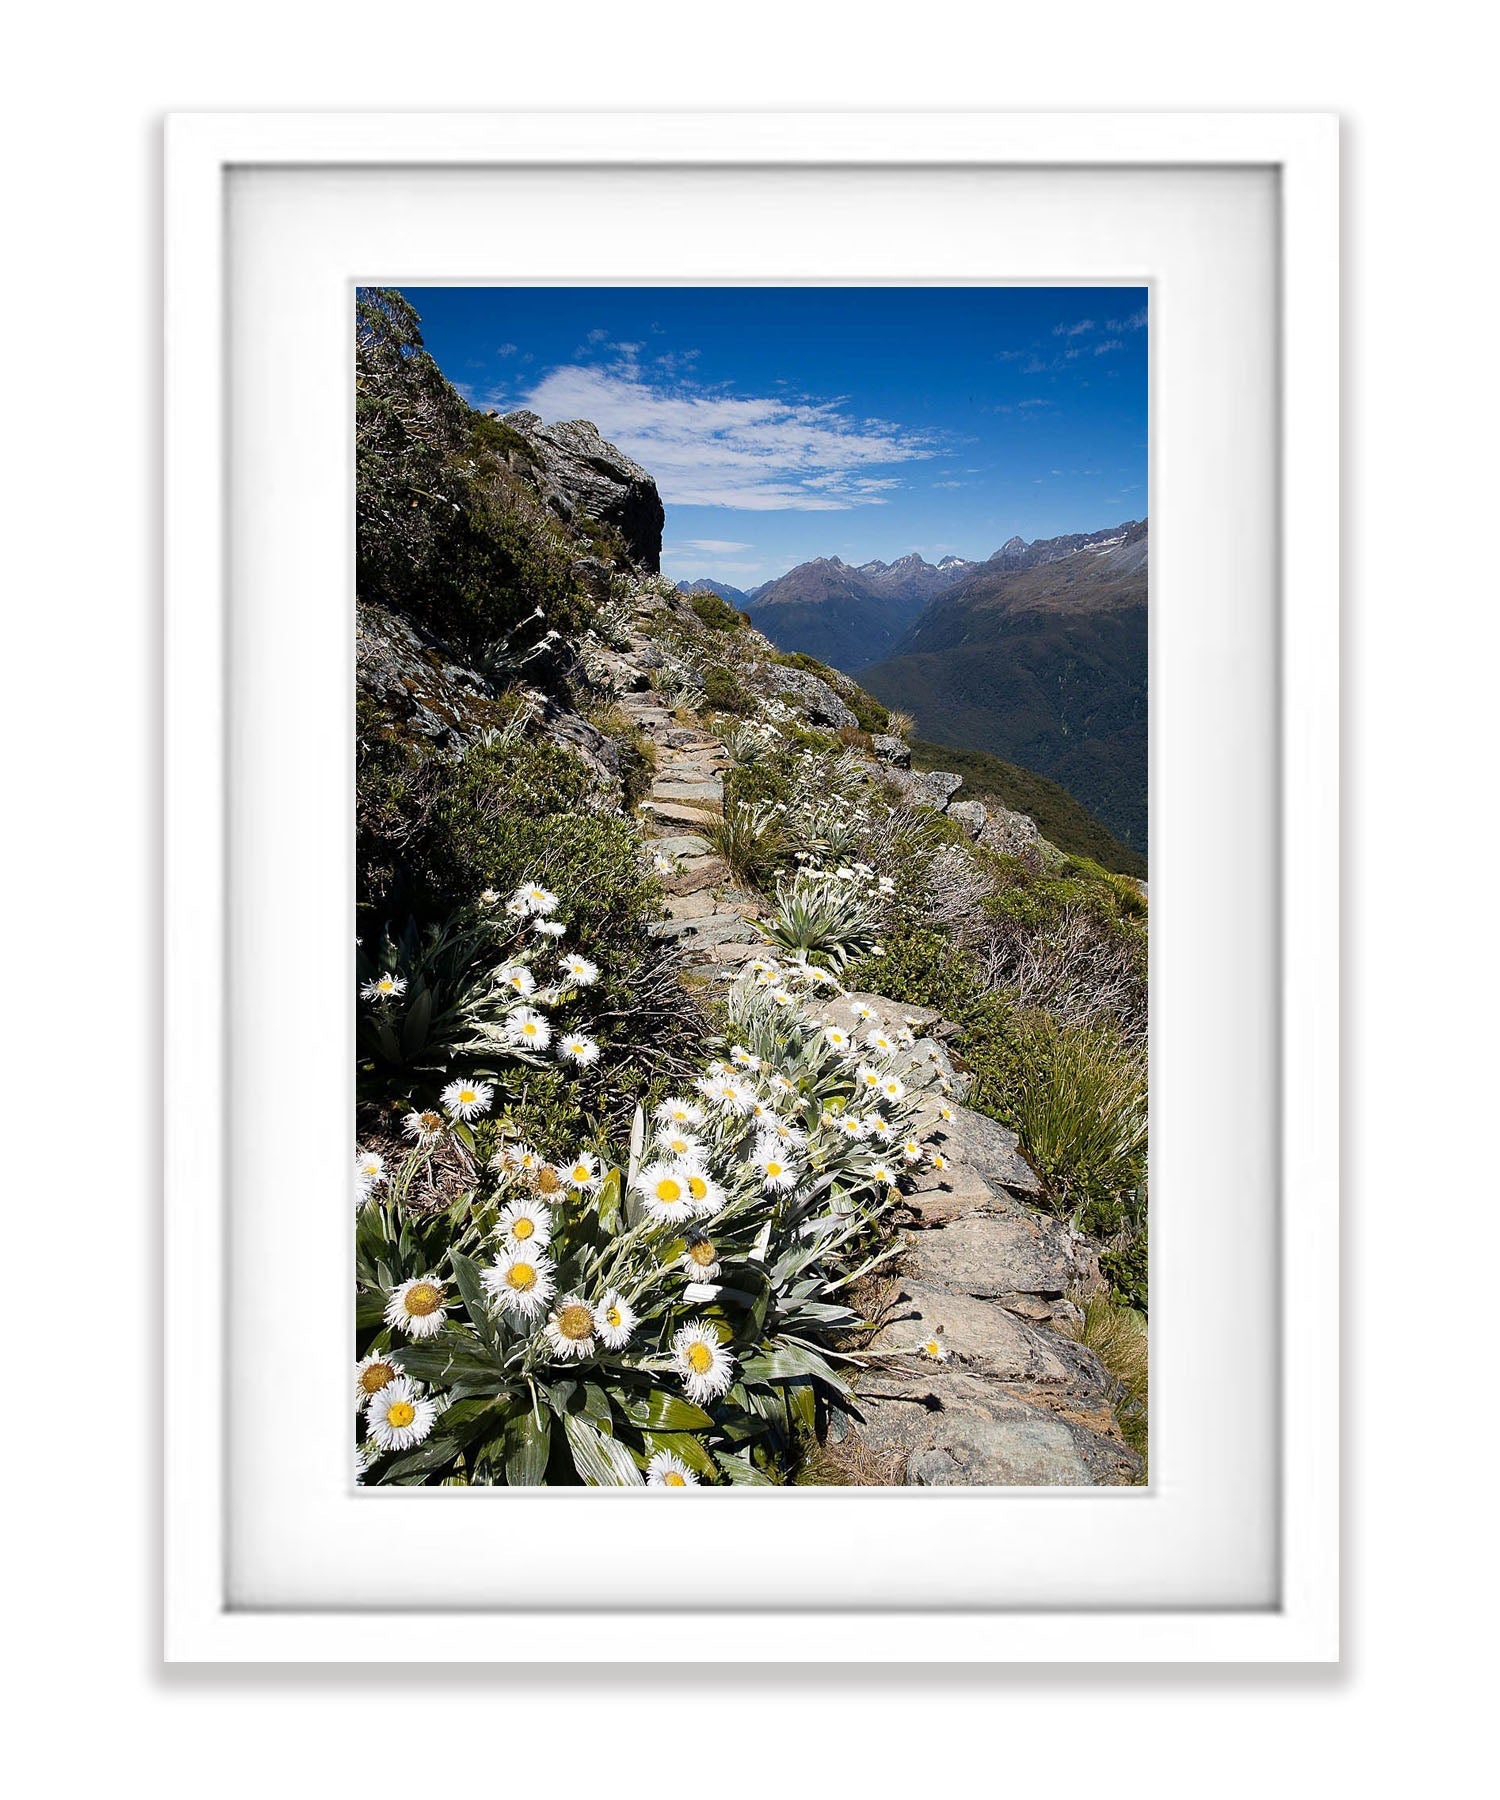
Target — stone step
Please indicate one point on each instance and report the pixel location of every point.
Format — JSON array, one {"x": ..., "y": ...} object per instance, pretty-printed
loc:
[
  {"x": 690, "y": 905},
  {"x": 696, "y": 874},
  {"x": 688, "y": 793},
  {"x": 983, "y": 1145},
  {"x": 683, "y": 845},
  {"x": 940, "y": 1426},
  {"x": 990, "y": 1255},
  {"x": 673, "y": 812},
  {"x": 981, "y": 1334},
  {"x": 713, "y": 929}
]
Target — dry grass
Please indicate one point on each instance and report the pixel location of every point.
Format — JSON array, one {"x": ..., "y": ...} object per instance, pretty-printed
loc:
[{"x": 1118, "y": 1336}]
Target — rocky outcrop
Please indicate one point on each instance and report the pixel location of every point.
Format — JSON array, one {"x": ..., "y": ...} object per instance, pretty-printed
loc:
[
  {"x": 584, "y": 479},
  {"x": 815, "y": 697}
]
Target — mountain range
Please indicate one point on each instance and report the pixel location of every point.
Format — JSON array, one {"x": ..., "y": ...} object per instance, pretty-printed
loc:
[{"x": 1037, "y": 654}]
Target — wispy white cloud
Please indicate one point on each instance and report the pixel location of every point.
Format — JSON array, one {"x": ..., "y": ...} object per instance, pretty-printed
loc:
[
  {"x": 507, "y": 349},
  {"x": 709, "y": 447},
  {"x": 1077, "y": 329},
  {"x": 712, "y": 546},
  {"x": 1108, "y": 345}
]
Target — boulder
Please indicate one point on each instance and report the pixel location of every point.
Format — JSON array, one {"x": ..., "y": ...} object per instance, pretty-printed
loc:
[
  {"x": 1008, "y": 833},
  {"x": 817, "y": 700},
  {"x": 580, "y": 476},
  {"x": 930, "y": 787},
  {"x": 982, "y": 1144},
  {"x": 891, "y": 750},
  {"x": 946, "y": 1427},
  {"x": 970, "y": 814}
]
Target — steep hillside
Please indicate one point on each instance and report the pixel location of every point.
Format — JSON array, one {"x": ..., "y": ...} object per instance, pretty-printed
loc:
[{"x": 1043, "y": 664}]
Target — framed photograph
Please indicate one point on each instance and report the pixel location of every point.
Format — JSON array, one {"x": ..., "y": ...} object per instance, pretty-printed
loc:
[{"x": 696, "y": 645}]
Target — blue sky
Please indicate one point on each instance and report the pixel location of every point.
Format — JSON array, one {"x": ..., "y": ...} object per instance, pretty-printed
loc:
[{"x": 787, "y": 423}]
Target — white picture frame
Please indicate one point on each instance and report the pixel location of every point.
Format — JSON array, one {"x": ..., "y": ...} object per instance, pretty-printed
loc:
[{"x": 209, "y": 769}]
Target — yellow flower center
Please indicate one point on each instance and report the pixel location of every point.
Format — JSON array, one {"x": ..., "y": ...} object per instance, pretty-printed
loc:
[
  {"x": 467, "y": 1096},
  {"x": 522, "y": 1229},
  {"x": 702, "y": 1253},
  {"x": 614, "y": 1318},
  {"x": 373, "y": 1379},
  {"x": 700, "y": 1359},
  {"x": 423, "y": 1299},
  {"x": 575, "y": 1323},
  {"x": 385, "y": 984},
  {"x": 529, "y": 1028},
  {"x": 521, "y": 1276},
  {"x": 697, "y": 1187},
  {"x": 668, "y": 1191},
  {"x": 672, "y": 1479},
  {"x": 401, "y": 1414},
  {"x": 548, "y": 1179},
  {"x": 580, "y": 1171},
  {"x": 773, "y": 1169}
]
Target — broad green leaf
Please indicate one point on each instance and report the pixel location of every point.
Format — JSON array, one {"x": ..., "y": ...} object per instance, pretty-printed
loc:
[
  {"x": 435, "y": 1454},
  {"x": 466, "y": 1274},
  {"x": 743, "y": 1473},
  {"x": 607, "y": 1209},
  {"x": 688, "y": 1447},
  {"x": 450, "y": 1356},
  {"x": 414, "y": 1025},
  {"x": 599, "y": 1460},
  {"x": 661, "y": 1411},
  {"x": 526, "y": 1449}
]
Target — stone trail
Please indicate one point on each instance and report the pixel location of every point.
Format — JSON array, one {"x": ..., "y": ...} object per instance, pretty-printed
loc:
[{"x": 1016, "y": 1402}]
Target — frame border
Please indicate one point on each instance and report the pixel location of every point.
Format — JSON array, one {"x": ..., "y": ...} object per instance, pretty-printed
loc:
[{"x": 201, "y": 149}]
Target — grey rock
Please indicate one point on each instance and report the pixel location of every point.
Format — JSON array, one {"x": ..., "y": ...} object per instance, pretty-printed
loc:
[
  {"x": 681, "y": 846},
  {"x": 1010, "y": 1249},
  {"x": 690, "y": 905},
  {"x": 892, "y": 750},
  {"x": 689, "y": 792},
  {"x": 1008, "y": 833},
  {"x": 982, "y": 1335},
  {"x": 970, "y": 814},
  {"x": 985, "y": 1145},
  {"x": 715, "y": 929},
  {"x": 583, "y": 477},
  {"x": 818, "y": 701},
  {"x": 951, "y": 1427},
  {"x": 696, "y": 874}
]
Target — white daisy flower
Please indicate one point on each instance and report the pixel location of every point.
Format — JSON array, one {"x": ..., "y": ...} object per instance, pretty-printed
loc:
[
  {"x": 369, "y": 1172},
  {"x": 886, "y": 885},
  {"x": 882, "y": 1129},
  {"x": 701, "y": 1259},
  {"x": 418, "y": 1307},
  {"x": 706, "y": 1367},
  {"x": 837, "y": 1038},
  {"x": 571, "y": 1329},
  {"x": 758, "y": 965},
  {"x": 681, "y": 1144},
  {"x": 862, "y": 1012},
  {"x": 468, "y": 1099},
  {"x": 867, "y": 1078},
  {"x": 663, "y": 865},
  {"x": 517, "y": 977},
  {"x": 525, "y": 1160},
  {"x": 677, "y": 1111},
  {"x": 580, "y": 971},
  {"x": 548, "y": 928},
  {"x": 667, "y": 1469},
  {"x": 911, "y": 1151},
  {"x": 516, "y": 907},
  {"x": 780, "y": 997},
  {"x": 489, "y": 897},
  {"x": 769, "y": 977},
  {"x": 945, "y": 1113},
  {"x": 424, "y": 1128},
  {"x": 853, "y": 1127},
  {"x": 742, "y": 1058},
  {"x": 397, "y": 1417},
  {"x": 934, "y": 1348},
  {"x": 521, "y": 1281},
  {"x": 371, "y": 1374},
  {"x": 384, "y": 987},
  {"x": 548, "y": 1181},
  {"x": 776, "y": 1172},
  {"x": 905, "y": 1037},
  {"x": 883, "y": 1175},
  {"x": 664, "y": 1188},
  {"x": 615, "y": 1318},
  {"x": 782, "y": 1086},
  {"x": 583, "y": 1172},
  {"x": 525, "y": 1225},
  {"x": 893, "y": 1088},
  {"x": 762, "y": 1114},
  {"x": 939, "y": 1161},
  {"x": 536, "y": 899},
  {"x": 704, "y": 1192},
  {"x": 727, "y": 1091},
  {"x": 879, "y": 1042},
  {"x": 575, "y": 1048},
  {"x": 527, "y": 1027}
]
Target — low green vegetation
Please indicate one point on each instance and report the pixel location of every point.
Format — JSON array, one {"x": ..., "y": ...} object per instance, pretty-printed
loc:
[
  {"x": 716, "y": 613},
  {"x": 1061, "y": 820},
  {"x": 1118, "y": 1336}
]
